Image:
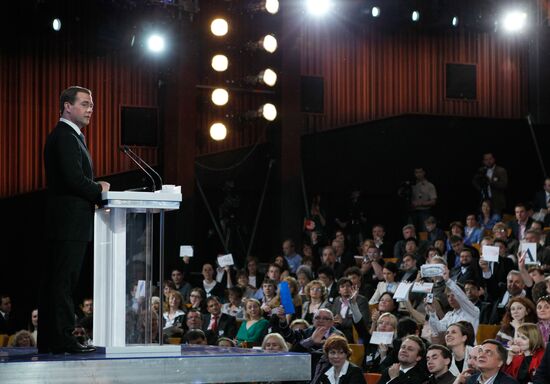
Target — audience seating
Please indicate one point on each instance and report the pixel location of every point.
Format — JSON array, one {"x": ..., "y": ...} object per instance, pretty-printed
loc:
[
  {"x": 477, "y": 246},
  {"x": 423, "y": 235},
  {"x": 358, "y": 354},
  {"x": 486, "y": 331},
  {"x": 174, "y": 340},
  {"x": 4, "y": 340},
  {"x": 391, "y": 260},
  {"x": 372, "y": 378}
]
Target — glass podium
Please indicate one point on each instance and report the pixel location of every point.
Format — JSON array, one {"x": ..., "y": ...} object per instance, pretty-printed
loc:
[{"x": 123, "y": 271}]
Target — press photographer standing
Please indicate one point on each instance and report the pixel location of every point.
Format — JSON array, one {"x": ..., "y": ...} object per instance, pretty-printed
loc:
[{"x": 492, "y": 182}]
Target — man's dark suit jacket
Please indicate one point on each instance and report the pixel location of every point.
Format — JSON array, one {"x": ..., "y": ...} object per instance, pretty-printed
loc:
[
  {"x": 346, "y": 327},
  {"x": 227, "y": 327},
  {"x": 416, "y": 375},
  {"x": 72, "y": 192},
  {"x": 540, "y": 201},
  {"x": 514, "y": 226},
  {"x": 498, "y": 183},
  {"x": 502, "y": 378},
  {"x": 471, "y": 273},
  {"x": 7, "y": 327},
  {"x": 542, "y": 374}
]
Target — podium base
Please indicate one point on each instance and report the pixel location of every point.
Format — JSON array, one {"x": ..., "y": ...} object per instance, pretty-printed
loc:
[{"x": 136, "y": 350}]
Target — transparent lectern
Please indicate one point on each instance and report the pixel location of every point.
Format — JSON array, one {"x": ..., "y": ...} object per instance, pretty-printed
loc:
[{"x": 124, "y": 321}]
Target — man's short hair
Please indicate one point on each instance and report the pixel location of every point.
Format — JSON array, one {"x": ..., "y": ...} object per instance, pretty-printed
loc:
[
  {"x": 411, "y": 239},
  {"x": 267, "y": 280},
  {"x": 455, "y": 239},
  {"x": 406, "y": 326},
  {"x": 273, "y": 265},
  {"x": 194, "y": 334},
  {"x": 353, "y": 271},
  {"x": 326, "y": 270},
  {"x": 468, "y": 250},
  {"x": 408, "y": 226},
  {"x": 445, "y": 352},
  {"x": 69, "y": 95},
  {"x": 472, "y": 282},
  {"x": 430, "y": 220},
  {"x": 456, "y": 224},
  {"x": 213, "y": 298},
  {"x": 501, "y": 350},
  {"x": 417, "y": 340},
  {"x": 344, "y": 280}
]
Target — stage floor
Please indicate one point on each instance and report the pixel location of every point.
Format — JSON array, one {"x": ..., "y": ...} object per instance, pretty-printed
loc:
[{"x": 195, "y": 364}]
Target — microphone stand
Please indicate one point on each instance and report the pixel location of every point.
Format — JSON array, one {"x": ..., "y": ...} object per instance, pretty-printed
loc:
[
  {"x": 127, "y": 153},
  {"x": 126, "y": 148}
]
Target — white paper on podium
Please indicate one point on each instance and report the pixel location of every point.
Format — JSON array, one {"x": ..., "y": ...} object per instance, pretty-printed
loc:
[
  {"x": 422, "y": 287},
  {"x": 530, "y": 252},
  {"x": 381, "y": 338},
  {"x": 432, "y": 270},
  {"x": 225, "y": 260},
  {"x": 186, "y": 251},
  {"x": 489, "y": 253},
  {"x": 402, "y": 291}
]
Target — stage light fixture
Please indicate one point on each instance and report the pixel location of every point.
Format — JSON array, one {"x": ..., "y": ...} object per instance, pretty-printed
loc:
[
  {"x": 268, "y": 111},
  {"x": 218, "y": 131},
  {"x": 415, "y": 16},
  {"x": 219, "y": 27},
  {"x": 268, "y": 77},
  {"x": 272, "y": 6},
  {"x": 156, "y": 43},
  {"x": 220, "y": 63},
  {"x": 375, "y": 11},
  {"x": 269, "y": 42},
  {"x": 454, "y": 22},
  {"x": 514, "y": 21},
  {"x": 56, "y": 24},
  {"x": 220, "y": 96},
  {"x": 318, "y": 7}
]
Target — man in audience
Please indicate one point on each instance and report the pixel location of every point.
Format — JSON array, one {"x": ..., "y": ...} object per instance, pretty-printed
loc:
[
  {"x": 438, "y": 361},
  {"x": 423, "y": 199},
  {"x": 87, "y": 308},
  {"x": 500, "y": 233},
  {"x": 349, "y": 308},
  {"x": 356, "y": 277},
  {"x": 274, "y": 272},
  {"x": 491, "y": 181},
  {"x": 182, "y": 286},
  {"x": 378, "y": 235},
  {"x": 474, "y": 294},
  {"x": 522, "y": 222},
  {"x": 542, "y": 199},
  {"x": 500, "y": 296},
  {"x": 410, "y": 368},
  {"x": 267, "y": 293},
  {"x": 409, "y": 271},
  {"x": 328, "y": 258},
  {"x": 492, "y": 357},
  {"x": 342, "y": 256},
  {"x": 399, "y": 247},
  {"x": 497, "y": 271},
  {"x": 411, "y": 248},
  {"x": 326, "y": 275},
  {"x": 289, "y": 252},
  {"x": 468, "y": 268},
  {"x": 195, "y": 337},
  {"x": 193, "y": 319},
  {"x": 7, "y": 325},
  {"x": 434, "y": 233},
  {"x": 216, "y": 324},
  {"x": 457, "y": 246}
]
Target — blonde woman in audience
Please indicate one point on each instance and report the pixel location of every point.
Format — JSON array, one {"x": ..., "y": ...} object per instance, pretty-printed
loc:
[
  {"x": 525, "y": 353},
  {"x": 254, "y": 329},
  {"x": 375, "y": 355},
  {"x": 23, "y": 339},
  {"x": 274, "y": 342}
]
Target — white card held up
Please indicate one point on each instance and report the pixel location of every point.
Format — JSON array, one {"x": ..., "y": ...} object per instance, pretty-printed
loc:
[
  {"x": 402, "y": 291},
  {"x": 422, "y": 287},
  {"x": 489, "y": 253},
  {"x": 225, "y": 260},
  {"x": 432, "y": 270},
  {"x": 530, "y": 252},
  {"x": 186, "y": 251},
  {"x": 378, "y": 338}
]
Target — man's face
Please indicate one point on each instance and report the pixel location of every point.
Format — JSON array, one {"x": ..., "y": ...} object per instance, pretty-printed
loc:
[
  {"x": 429, "y": 226},
  {"x": 34, "y": 318},
  {"x": 436, "y": 363},
  {"x": 326, "y": 280},
  {"x": 355, "y": 280},
  {"x": 177, "y": 277},
  {"x": 472, "y": 292},
  {"x": 514, "y": 285},
  {"x": 453, "y": 302},
  {"x": 207, "y": 271},
  {"x": 472, "y": 357},
  {"x": 81, "y": 111},
  {"x": 408, "y": 232},
  {"x": 410, "y": 247},
  {"x": 458, "y": 246},
  {"x": 409, "y": 353},
  {"x": 88, "y": 307},
  {"x": 465, "y": 258},
  {"x": 274, "y": 273},
  {"x": 5, "y": 306},
  {"x": 500, "y": 233},
  {"x": 547, "y": 185},
  {"x": 288, "y": 249},
  {"x": 488, "y": 160},
  {"x": 194, "y": 320},
  {"x": 532, "y": 238},
  {"x": 269, "y": 290},
  {"x": 338, "y": 247},
  {"x": 419, "y": 174},
  {"x": 323, "y": 318},
  {"x": 471, "y": 221},
  {"x": 378, "y": 233},
  {"x": 521, "y": 214},
  {"x": 345, "y": 290},
  {"x": 409, "y": 263},
  {"x": 488, "y": 358},
  {"x": 214, "y": 308},
  {"x": 329, "y": 258}
]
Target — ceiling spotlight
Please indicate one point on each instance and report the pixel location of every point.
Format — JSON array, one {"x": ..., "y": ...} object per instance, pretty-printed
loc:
[
  {"x": 56, "y": 24},
  {"x": 218, "y": 131},
  {"x": 514, "y": 21},
  {"x": 318, "y": 7},
  {"x": 268, "y": 111},
  {"x": 269, "y": 43},
  {"x": 415, "y": 16},
  {"x": 219, "y": 27},
  {"x": 156, "y": 43},
  {"x": 220, "y": 63},
  {"x": 454, "y": 22},
  {"x": 272, "y": 6},
  {"x": 268, "y": 77},
  {"x": 375, "y": 11},
  {"x": 220, "y": 96}
]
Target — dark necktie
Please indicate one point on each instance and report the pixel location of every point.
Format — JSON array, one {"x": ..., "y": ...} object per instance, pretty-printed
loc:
[
  {"x": 214, "y": 327},
  {"x": 82, "y": 138}
]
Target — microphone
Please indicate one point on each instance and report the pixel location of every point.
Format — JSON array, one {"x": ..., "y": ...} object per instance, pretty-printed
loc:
[
  {"x": 127, "y": 153},
  {"x": 144, "y": 163}
]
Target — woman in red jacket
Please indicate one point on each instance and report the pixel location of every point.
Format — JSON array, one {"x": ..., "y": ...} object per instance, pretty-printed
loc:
[{"x": 525, "y": 353}]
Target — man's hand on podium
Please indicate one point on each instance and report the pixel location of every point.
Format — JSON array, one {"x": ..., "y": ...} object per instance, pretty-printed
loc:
[{"x": 104, "y": 186}]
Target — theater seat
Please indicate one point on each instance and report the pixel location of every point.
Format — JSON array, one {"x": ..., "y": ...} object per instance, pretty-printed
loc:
[
  {"x": 4, "y": 340},
  {"x": 174, "y": 340},
  {"x": 391, "y": 260},
  {"x": 423, "y": 235},
  {"x": 486, "y": 331},
  {"x": 372, "y": 378},
  {"x": 358, "y": 354}
]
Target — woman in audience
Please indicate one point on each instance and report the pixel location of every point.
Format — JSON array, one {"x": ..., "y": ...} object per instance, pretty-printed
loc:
[
  {"x": 543, "y": 314},
  {"x": 209, "y": 284},
  {"x": 389, "y": 284},
  {"x": 174, "y": 317},
  {"x": 274, "y": 342},
  {"x": 316, "y": 295},
  {"x": 525, "y": 353},
  {"x": 303, "y": 276},
  {"x": 197, "y": 300},
  {"x": 285, "y": 268},
  {"x": 167, "y": 287},
  {"x": 441, "y": 247},
  {"x": 386, "y": 305},
  {"x": 378, "y": 357},
  {"x": 456, "y": 228},
  {"x": 242, "y": 282},
  {"x": 23, "y": 339},
  {"x": 254, "y": 329},
  {"x": 518, "y": 311},
  {"x": 334, "y": 366},
  {"x": 460, "y": 340},
  {"x": 487, "y": 218},
  {"x": 299, "y": 324},
  {"x": 226, "y": 342},
  {"x": 234, "y": 306}
]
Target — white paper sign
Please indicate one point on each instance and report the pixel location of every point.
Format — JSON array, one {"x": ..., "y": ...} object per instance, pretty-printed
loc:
[
  {"x": 422, "y": 287},
  {"x": 140, "y": 289},
  {"x": 530, "y": 252},
  {"x": 186, "y": 251},
  {"x": 402, "y": 291},
  {"x": 489, "y": 253},
  {"x": 381, "y": 338},
  {"x": 225, "y": 260},
  {"x": 432, "y": 270}
]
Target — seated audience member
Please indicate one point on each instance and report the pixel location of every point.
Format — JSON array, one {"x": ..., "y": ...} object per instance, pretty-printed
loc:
[
  {"x": 495, "y": 271},
  {"x": 274, "y": 342},
  {"x": 299, "y": 324},
  {"x": 254, "y": 328},
  {"x": 525, "y": 353},
  {"x": 326, "y": 276},
  {"x": 303, "y": 276},
  {"x": 460, "y": 340},
  {"x": 328, "y": 259},
  {"x": 408, "y": 231},
  {"x": 334, "y": 366},
  {"x": 296, "y": 298},
  {"x": 242, "y": 282},
  {"x": 409, "y": 270},
  {"x": 381, "y": 356},
  {"x": 438, "y": 361},
  {"x": 167, "y": 287},
  {"x": 216, "y": 323},
  {"x": 356, "y": 277},
  {"x": 293, "y": 259},
  {"x": 180, "y": 284},
  {"x": 521, "y": 223},
  {"x": 492, "y": 357},
  {"x": 487, "y": 218},
  {"x": 541, "y": 201},
  {"x": 283, "y": 264},
  {"x": 411, "y": 248},
  {"x": 457, "y": 246},
  {"x": 255, "y": 279},
  {"x": 518, "y": 311},
  {"x": 193, "y": 319},
  {"x": 234, "y": 306},
  {"x": 226, "y": 342},
  {"x": 500, "y": 232},
  {"x": 468, "y": 269},
  {"x": 434, "y": 233},
  {"x": 472, "y": 231},
  {"x": 474, "y": 294},
  {"x": 371, "y": 267},
  {"x": 210, "y": 286},
  {"x": 389, "y": 284},
  {"x": 410, "y": 367},
  {"x": 534, "y": 278},
  {"x": 274, "y": 277},
  {"x": 386, "y": 304},
  {"x": 268, "y": 294},
  {"x": 349, "y": 308},
  {"x": 86, "y": 308},
  {"x": 456, "y": 229},
  {"x": 543, "y": 315},
  {"x": 7, "y": 324},
  {"x": 175, "y": 315},
  {"x": 501, "y": 296},
  {"x": 195, "y": 337},
  {"x": 378, "y": 236},
  {"x": 316, "y": 295},
  {"x": 462, "y": 308},
  {"x": 23, "y": 339},
  {"x": 33, "y": 327}
]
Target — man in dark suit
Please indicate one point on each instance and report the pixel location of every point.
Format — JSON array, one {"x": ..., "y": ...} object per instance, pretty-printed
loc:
[
  {"x": 72, "y": 194},
  {"x": 542, "y": 373},
  {"x": 7, "y": 325},
  {"x": 411, "y": 368},
  {"x": 492, "y": 182},
  {"x": 542, "y": 198},
  {"x": 349, "y": 308},
  {"x": 492, "y": 356},
  {"x": 522, "y": 222},
  {"x": 467, "y": 270},
  {"x": 217, "y": 324}
]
